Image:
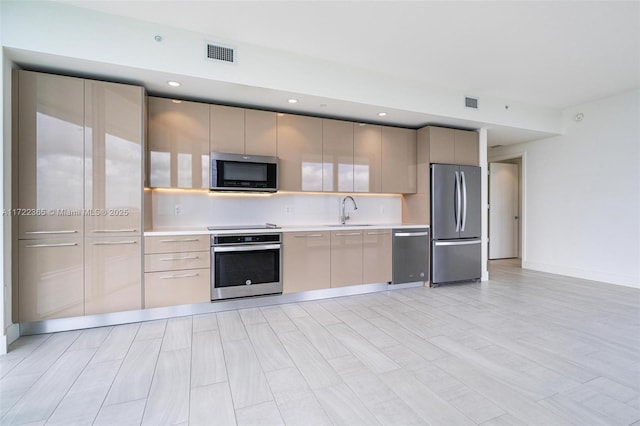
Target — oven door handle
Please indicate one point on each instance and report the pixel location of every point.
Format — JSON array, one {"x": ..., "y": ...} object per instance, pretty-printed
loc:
[{"x": 246, "y": 248}]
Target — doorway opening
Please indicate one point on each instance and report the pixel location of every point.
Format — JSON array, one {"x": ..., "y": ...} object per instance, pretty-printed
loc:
[{"x": 506, "y": 208}]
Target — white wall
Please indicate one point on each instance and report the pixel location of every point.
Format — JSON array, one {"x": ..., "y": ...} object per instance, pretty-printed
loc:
[
  {"x": 583, "y": 194},
  {"x": 5, "y": 283},
  {"x": 199, "y": 209},
  {"x": 73, "y": 33}
]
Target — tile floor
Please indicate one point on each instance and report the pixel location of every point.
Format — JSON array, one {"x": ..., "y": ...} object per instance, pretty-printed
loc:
[{"x": 524, "y": 348}]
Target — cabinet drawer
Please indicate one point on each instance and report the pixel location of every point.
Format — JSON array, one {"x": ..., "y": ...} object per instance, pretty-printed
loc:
[
  {"x": 50, "y": 279},
  {"x": 176, "y": 243},
  {"x": 176, "y": 261},
  {"x": 177, "y": 288}
]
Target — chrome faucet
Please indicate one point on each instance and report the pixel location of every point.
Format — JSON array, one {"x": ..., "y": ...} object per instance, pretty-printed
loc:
[{"x": 345, "y": 215}]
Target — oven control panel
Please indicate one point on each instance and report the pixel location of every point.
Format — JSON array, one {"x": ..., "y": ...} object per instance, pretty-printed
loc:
[{"x": 217, "y": 240}]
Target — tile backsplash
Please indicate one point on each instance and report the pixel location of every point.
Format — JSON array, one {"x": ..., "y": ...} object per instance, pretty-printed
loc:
[{"x": 174, "y": 208}]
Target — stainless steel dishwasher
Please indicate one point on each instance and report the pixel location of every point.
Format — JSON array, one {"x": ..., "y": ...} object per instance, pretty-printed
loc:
[{"x": 410, "y": 255}]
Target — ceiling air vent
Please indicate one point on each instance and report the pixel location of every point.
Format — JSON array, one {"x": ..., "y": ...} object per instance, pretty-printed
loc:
[
  {"x": 219, "y": 52},
  {"x": 471, "y": 102}
]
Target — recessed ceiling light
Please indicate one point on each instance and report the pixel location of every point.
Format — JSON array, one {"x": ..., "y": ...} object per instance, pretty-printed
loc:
[
  {"x": 173, "y": 83},
  {"x": 293, "y": 101},
  {"x": 382, "y": 114}
]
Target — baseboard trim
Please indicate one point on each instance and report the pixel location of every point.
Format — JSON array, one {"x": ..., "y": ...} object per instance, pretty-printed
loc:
[
  {"x": 118, "y": 318},
  {"x": 600, "y": 276},
  {"x": 12, "y": 333}
]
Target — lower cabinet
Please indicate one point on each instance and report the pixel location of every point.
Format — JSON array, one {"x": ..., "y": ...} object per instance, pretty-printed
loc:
[
  {"x": 346, "y": 258},
  {"x": 50, "y": 279},
  {"x": 376, "y": 256},
  {"x": 168, "y": 288},
  {"x": 113, "y": 275},
  {"x": 306, "y": 260},
  {"x": 177, "y": 270},
  {"x": 319, "y": 260}
]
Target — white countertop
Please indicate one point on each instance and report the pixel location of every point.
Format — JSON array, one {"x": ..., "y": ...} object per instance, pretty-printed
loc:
[{"x": 293, "y": 228}]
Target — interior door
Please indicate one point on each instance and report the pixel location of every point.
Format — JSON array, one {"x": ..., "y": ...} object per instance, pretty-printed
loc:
[{"x": 503, "y": 212}]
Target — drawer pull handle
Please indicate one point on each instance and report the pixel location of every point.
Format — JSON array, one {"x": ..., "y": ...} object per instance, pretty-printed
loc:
[
  {"x": 378, "y": 233},
  {"x": 52, "y": 245},
  {"x": 51, "y": 232},
  {"x": 411, "y": 234},
  {"x": 185, "y": 240},
  {"x": 168, "y": 277},
  {"x": 113, "y": 243},
  {"x": 348, "y": 234},
  {"x": 308, "y": 236},
  {"x": 167, "y": 259},
  {"x": 110, "y": 231}
]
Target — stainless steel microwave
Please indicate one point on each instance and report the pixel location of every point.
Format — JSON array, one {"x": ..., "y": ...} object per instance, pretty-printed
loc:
[{"x": 238, "y": 172}]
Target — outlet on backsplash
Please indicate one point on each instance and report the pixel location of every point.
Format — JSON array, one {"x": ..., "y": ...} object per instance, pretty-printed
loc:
[
  {"x": 290, "y": 210},
  {"x": 177, "y": 210}
]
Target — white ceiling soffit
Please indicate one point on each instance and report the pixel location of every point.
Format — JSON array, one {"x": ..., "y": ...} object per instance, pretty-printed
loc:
[
  {"x": 556, "y": 54},
  {"x": 549, "y": 54}
]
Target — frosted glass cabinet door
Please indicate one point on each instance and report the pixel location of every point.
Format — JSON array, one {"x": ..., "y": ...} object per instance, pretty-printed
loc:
[
  {"x": 113, "y": 274},
  {"x": 178, "y": 144},
  {"x": 113, "y": 159},
  {"x": 50, "y": 279},
  {"x": 50, "y": 154}
]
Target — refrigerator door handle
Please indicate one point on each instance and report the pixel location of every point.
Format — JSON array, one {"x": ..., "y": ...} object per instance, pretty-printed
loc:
[
  {"x": 464, "y": 201},
  {"x": 456, "y": 199},
  {"x": 456, "y": 243}
]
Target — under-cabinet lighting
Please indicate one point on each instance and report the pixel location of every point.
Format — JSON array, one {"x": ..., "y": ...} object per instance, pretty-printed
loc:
[
  {"x": 382, "y": 114},
  {"x": 293, "y": 101},
  {"x": 174, "y": 83}
]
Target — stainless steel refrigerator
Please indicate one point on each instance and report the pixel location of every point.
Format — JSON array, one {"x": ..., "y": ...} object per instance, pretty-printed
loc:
[{"x": 456, "y": 223}]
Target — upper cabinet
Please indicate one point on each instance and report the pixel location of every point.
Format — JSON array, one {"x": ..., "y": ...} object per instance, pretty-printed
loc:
[
  {"x": 453, "y": 146},
  {"x": 50, "y": 148},
  {"x": 300, "y": 152},
  {"x": 178, "y": 144},
  {"x": 398, "y": 160},
  {"x": 467, "y": 150},
  {"x": 367, "y": 158},
  {"x": 260, "y": 129},
  {"x": 113, "y": 158},
  {"x": 337, "y": 156},
  {"x": 242, "y": 131},
  {"x": 340, "y": 156}
]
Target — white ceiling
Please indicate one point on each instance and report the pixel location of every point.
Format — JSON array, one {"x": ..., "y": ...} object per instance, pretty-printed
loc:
[{"x": 553, "y": 54}]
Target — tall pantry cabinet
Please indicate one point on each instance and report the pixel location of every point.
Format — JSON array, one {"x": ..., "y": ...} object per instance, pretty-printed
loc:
[{"x": 78, "y": 155}]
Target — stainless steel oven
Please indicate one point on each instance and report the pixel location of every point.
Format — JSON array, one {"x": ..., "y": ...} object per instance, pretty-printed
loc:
[{"x": 245, "y": 265}]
